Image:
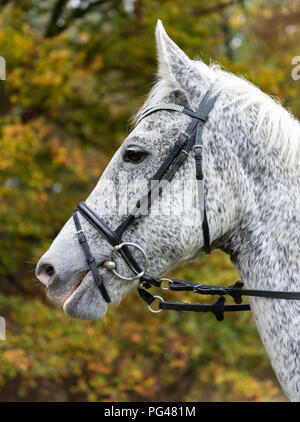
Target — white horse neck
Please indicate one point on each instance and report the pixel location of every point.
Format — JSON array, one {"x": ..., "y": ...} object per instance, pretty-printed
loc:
[{"x": 269, "y": 259}]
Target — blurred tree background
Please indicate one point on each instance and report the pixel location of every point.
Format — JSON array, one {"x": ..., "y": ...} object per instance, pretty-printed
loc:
[{"x": 76, "y": 71}]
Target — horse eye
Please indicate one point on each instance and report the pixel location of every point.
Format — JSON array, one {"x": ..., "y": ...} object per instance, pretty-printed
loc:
[{"x": 134, "y": 155}]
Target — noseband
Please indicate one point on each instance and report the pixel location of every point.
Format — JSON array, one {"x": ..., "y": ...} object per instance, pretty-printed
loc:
[{"x": 189, "y": 141}]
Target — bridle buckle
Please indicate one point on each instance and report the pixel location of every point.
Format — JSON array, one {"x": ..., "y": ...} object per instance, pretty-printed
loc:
[
  {"x": 198, "y": 146},
  {"x": 186, "y": 135},
  {"x": 183, "y": 151}
]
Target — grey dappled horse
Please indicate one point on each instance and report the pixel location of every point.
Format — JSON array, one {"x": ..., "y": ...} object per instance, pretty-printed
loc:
[{"x": 252, "y": 184}]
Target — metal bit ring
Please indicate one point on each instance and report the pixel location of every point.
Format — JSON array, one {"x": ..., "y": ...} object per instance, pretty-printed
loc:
[{"x": 137, "y": 276}]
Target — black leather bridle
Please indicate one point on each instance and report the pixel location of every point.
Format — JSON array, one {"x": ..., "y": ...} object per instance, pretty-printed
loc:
[{"x": 188, "y": 141}]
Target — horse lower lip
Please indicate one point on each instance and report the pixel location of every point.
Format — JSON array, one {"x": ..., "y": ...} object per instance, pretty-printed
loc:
[
  {"x": 79, "y": 282},
  {"x": 101, "y": 269}
]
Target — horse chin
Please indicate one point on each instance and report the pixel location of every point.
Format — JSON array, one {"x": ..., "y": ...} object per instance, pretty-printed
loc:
[{"x": 86, "y": 302}]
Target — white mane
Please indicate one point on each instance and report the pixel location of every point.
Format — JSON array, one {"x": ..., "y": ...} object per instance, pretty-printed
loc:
[{"x": 279, "y": 124}]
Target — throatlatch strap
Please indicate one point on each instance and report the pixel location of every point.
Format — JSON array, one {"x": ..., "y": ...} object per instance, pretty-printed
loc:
[{"x": 203, "y": 112}]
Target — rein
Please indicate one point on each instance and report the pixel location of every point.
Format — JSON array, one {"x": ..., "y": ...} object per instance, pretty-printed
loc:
[{"x": 187, "y": 142}]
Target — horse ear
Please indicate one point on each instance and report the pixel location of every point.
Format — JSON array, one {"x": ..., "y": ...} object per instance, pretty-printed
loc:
[{"x": 175, "y": 66}]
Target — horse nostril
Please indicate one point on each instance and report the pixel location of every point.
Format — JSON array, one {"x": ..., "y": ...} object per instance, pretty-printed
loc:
[
  {"x": 44, "y": 272},
  {"x": 49, "y": 270}
]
